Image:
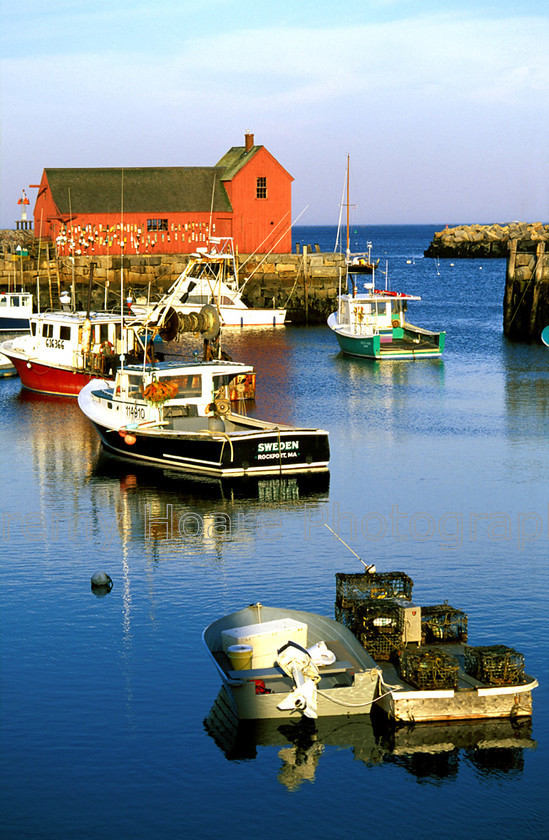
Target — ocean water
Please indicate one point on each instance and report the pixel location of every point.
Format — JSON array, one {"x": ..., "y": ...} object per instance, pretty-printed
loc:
[{"x": 438, "y": 468}]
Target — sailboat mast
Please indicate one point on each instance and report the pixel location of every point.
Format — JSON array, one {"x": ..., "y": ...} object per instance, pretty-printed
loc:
[
  {"x": 121, "y": 240},
  {"x": 348, "y": 248}
]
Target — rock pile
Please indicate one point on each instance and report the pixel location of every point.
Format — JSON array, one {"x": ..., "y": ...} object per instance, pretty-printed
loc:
[
  {"x": 11, "y": 239},
  {"x": 486, "y": 240}
]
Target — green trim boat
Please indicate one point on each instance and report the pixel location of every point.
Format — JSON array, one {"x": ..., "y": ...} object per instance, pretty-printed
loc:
[{"x": 373, "y": 325}]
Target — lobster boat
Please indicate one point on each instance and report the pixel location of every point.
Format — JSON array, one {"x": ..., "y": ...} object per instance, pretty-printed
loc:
[
  {"x": 180, "y": 415},
  {"x": 373, "y": 325},
  {"x": 210, "y": 278}
]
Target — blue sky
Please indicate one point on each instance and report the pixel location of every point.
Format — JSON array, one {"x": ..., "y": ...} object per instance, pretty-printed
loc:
[{"x": 442, "y": 107}]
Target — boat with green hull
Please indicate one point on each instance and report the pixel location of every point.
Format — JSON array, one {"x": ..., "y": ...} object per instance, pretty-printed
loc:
[{"x": 373, "y": 325}]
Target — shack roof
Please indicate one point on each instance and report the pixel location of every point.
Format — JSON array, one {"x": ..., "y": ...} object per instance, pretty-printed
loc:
[
  {"x": 233, "y": 160},
  {"x": 157, "y": 189}
]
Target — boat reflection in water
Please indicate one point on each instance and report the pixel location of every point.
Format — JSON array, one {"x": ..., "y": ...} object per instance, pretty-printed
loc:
[
  {"x": 166, "y": 482},
  {"x": 173, "y": 513},
  {"x": 430, "y": 752}
]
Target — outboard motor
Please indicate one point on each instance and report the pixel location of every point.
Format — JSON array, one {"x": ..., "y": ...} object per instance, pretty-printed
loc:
[{"x": 297, "y": 663}]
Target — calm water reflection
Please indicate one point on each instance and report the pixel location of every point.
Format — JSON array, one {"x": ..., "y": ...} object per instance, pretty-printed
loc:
[{"x": 110, "y": 706}]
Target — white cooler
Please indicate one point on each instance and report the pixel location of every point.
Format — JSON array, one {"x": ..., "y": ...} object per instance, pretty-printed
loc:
[{"x": 266, "y": 638}]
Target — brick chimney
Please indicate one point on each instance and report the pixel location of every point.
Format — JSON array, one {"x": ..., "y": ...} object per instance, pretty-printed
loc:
[{"x": 248, "y": 141}]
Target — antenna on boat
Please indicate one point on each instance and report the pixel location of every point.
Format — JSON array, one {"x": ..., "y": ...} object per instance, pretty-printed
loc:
[
  {"x": 348, "y": 243},
  {"x": 367, "y": 567},
  {"x": 146, "y": 330},
  {"x": 73, "y": 287}
]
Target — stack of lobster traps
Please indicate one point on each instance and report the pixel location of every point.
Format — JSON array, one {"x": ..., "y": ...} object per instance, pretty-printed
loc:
[
  {"x": 372, "y": 606},
  {"x": 429, "y": 668}
]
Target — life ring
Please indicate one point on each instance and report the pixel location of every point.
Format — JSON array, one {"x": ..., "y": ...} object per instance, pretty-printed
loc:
[
  {"x": 395, "y": 323},
  {"x": 106, "y": 349}
]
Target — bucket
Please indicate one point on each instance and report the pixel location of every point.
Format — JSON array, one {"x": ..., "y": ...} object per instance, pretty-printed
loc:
[{"x": 240, "y": 656}]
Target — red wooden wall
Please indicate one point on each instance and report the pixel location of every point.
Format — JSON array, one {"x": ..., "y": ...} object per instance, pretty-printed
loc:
[
  {"x": 259, "y": 225},
  {"x": 262, "y": 224}
]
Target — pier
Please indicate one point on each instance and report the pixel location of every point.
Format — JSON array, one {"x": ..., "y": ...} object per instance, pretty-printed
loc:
[{"x": 306, "y": 283}]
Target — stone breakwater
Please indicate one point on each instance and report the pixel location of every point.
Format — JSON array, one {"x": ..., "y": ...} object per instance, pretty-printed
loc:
[
  {"x": 305, "y": 284},
  {"x": 486, "y": 240}
]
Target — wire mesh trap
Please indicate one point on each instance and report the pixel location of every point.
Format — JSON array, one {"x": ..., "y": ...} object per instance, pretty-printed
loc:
[
  {"x": 494, "y": 664},
  {"x": 429, "y": 668},
  {"x": 442, "y": 623}
]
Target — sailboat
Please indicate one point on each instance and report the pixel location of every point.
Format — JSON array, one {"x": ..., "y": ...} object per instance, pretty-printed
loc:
[{"x": 372, "y": 324}]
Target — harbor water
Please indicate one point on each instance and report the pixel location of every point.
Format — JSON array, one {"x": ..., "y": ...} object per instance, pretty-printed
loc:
[{"x": 111, "y": 720}]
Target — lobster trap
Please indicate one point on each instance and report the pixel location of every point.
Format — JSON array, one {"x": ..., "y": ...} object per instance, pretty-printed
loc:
[
  {"x": 352, "y": 589},
  {"x": 379, "y": 626},
  {"x": 442, "y": 623},
  {"x": 428, "y": 668},
  {"x": 494, "y": 664}
]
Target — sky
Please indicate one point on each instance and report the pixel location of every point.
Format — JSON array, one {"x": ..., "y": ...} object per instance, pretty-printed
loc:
[{"x": 441, "y": 107}]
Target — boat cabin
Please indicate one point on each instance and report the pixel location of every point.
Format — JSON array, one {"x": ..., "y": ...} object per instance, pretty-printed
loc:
[
  {"x": 72, "y": 339},
  {"x": 194, "y": 387},
  {"x": 375, "y": 312},
  {"x": 207, "y": 278},
  {"x": 15, "y": 309}
]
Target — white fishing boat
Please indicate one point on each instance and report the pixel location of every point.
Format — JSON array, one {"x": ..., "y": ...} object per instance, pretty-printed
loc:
[
  {"x": 180, "y": 415},
  {"x": 211, "y": 277},
  {"x": 281, "y": 663},
  {"x": 65, "y": 350},
  {"x": 372, "y": 324},
  {"x": 15, "y": 311}
]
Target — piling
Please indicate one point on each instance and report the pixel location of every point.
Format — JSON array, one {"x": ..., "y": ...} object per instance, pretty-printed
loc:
[{"x": 526, "y": 297}]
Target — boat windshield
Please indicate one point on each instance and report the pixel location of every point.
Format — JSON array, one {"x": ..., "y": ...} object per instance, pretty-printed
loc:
[{"x": 188, "y": 385}]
